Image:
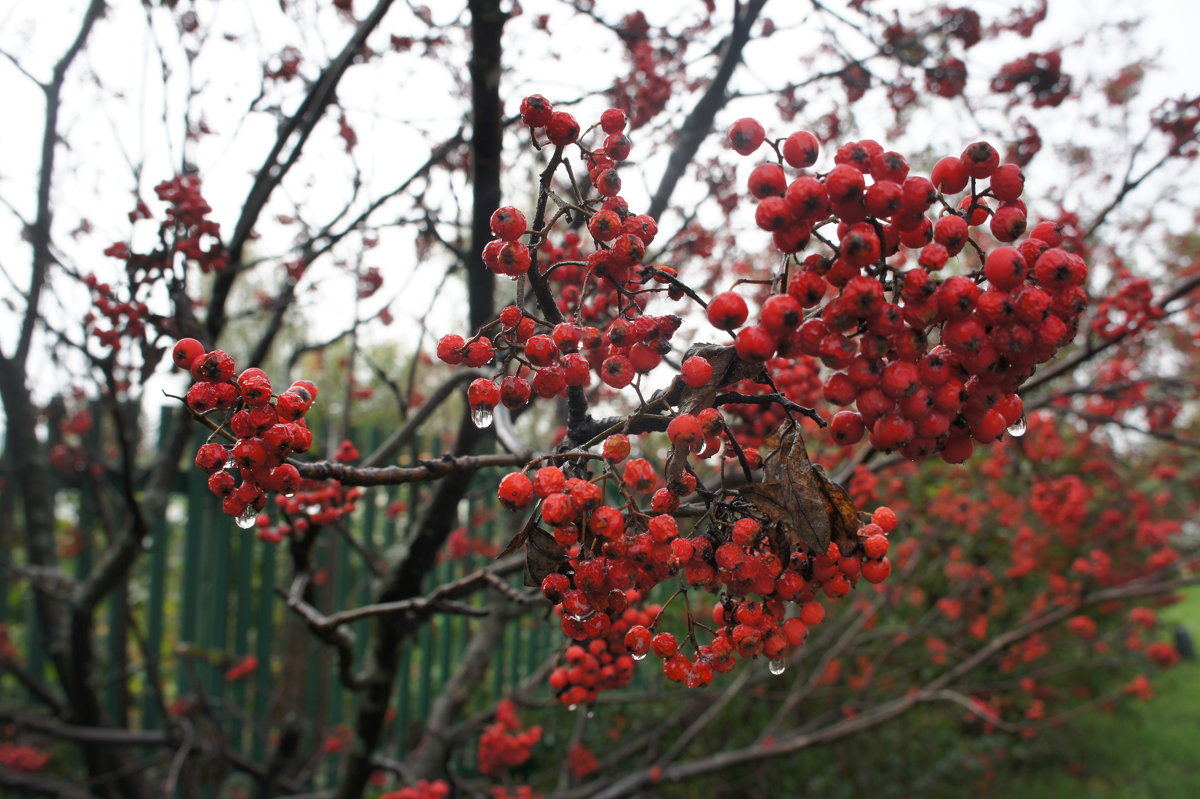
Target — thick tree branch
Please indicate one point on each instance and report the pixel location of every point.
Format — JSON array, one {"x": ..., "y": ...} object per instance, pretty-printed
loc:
[
  {"x": 40, "y": 234},
  {"x": 699, "y": 122}
]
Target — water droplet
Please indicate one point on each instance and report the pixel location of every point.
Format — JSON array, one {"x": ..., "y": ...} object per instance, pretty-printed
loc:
[
  {"x": 639, "y": 656},
  {"x": 591, "y": 714},
  {"x": 246, "y": 518},
  {"x": 1018, "y": 427},
  {"x": 481, "y": 416},
  {"x": 230, "y": 462},
  {"x": 777, "y": 667},
  {"x": 289, "y": 494},
  {"x": 571, "y": 708},
  {"x": 312, "y": 508}
]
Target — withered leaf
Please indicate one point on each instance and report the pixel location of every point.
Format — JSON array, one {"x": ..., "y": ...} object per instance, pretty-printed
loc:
[
  {"x": 800, "y": 504},
  {"x": 543, "y": 556},
  {"x": 518, "y": 540}
]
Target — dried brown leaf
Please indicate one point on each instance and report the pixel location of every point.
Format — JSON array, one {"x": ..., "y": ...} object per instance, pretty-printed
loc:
[
  {"x": 543, "y": 556},
  {"x": 800, "y": 504}
]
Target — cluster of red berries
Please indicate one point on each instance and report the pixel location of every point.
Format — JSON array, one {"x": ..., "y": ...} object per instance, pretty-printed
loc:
[
  {"x": 22, "y": 758},
  {"x": 124, "y": 317},
  {"x": 1040, "y": 74},
  {"x": 503, "y": 744},
  {"x": 928, "y": 363},
  {"x": 1131, "y": 308},
  {"x": 615, "y": 554},
  {"x": 547, "y": 363},
  {"x": 622, "y": 342},
  {"x": 267, "y": 428},
  {"x": 602, "y": 663},
  {"x": 196, "y": 236},
  {"x": 647, "y": 87}
]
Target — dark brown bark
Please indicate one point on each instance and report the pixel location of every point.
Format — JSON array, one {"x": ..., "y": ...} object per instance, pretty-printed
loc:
[{"x": 404, "y": 582}]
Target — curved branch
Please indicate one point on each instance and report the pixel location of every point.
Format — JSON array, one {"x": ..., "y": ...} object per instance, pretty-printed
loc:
[
  {"x": 40, "y": 234},
  {"x": 696, "y": 127},
  {"x": 299, "y": 126}
]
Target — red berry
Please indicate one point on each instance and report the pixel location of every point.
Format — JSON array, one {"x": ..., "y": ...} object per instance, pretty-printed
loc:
[
  {"x": 727, "y": 311},
  {"x": 800, "y": 149},
  {"x": 875, "y": 546},
  {"x": 508, "y": 223},
  {"x": 845, "y": 184},
  {"x": 949, "y": 175},
  {"x": 516, "y": 491},
  {"x": 980, "y": 159},
  {"x": 1007, "y": 223},
  {"x": 211, "y": 458},
  {"x": 478, "y": 352},
  {"x": 951, "y": 232},
  {"x": 214, "y": 367},
  {"x": 186, "y": 351},
  {"x": 637, "y": 640},
  {"x": 746, "y": 135},
  {"x": 684, "y": 430},
  {"x": 255, "y": 386},
  {"x": 541, "y": 350},
  {"x": 612, "y": 120},
  {"x": 876, "y": 571},
  {"x": 554, "y": 585},
  {"x": 605, "y": 225},
  {"x": 616, "y": 448},
  {"x": 847, "y": 427},
  {"x": 1005, "y": 268},
  {"x": 767, "y": 180},
  {"x": 514, "y": 392},
  {"x": 772, "y": 214},
  {"x": 449, "y": 348},
  {"x": 536, "y": 111},
  {"x": 885, "y": 517},
  {"x": 664, "y": 645},
  {"x": 617, "y": 146},
  {"x": 562, "y": 129},
  {"x": 483, "y": 393},
  {"x": 755, "y": 344},
  {"x": 1008, "y": 183},
  {"x": 617, "y": 371},
  {"x": 697, "y": 371},
  {"x": 513, "y": 259},
  {"x": 201, "y": 397}
]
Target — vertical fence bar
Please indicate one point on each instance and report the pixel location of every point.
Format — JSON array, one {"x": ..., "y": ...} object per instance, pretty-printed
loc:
[
  {"x": 189, "y": 591},
  {"x": 243, "y": 623},
  {"x": 156, "y": 600},
  {"x": 264, "y": 634}
]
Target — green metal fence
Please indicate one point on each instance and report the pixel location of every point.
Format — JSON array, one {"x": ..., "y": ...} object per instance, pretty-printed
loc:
[{"x": 206, "y": 593}]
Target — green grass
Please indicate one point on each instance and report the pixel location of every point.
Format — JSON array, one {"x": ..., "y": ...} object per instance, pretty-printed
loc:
[{"x": 1143, "y": 751}]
